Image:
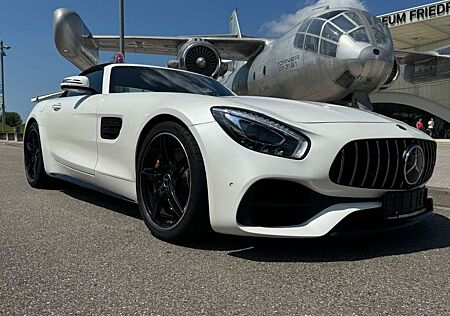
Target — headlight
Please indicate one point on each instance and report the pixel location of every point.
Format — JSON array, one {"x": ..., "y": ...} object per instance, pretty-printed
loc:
[{"x": 261, "y": 133}]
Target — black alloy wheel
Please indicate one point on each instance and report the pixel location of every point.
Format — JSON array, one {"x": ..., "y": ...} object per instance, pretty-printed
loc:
[
  {"x": 171, "y": 184},
  {"x": 34, "y": 163}
]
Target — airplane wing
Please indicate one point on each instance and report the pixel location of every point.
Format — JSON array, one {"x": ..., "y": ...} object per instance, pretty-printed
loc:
[
  {"x": 229, "y": 46},
  {"x": 76, "y": 43},
  {"x": 409, "y": 57}
]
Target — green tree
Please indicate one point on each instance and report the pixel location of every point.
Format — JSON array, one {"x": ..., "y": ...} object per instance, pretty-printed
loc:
[{"x": 13, "y": 119}]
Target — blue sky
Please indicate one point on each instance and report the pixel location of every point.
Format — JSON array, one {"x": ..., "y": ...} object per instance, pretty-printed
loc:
[{"x": 33, "y": 66}]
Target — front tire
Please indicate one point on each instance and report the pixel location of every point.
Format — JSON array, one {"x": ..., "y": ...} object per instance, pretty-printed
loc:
[
  {"x": 171, "y": 184},
  {"x": 34, "y": 162}
]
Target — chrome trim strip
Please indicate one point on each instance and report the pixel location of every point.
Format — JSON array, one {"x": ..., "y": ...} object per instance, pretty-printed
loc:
[
  {"x": 413, "y": 214},
  {"x": 388, "y": 164},
  {"x": 428, "y": 157},
  {"x": 367, "y": 165},
  {"x": 356, "y": 164},
  {"x": 378, "y": 164},
  {"x": 341, "y": 171},
  {"x": 396, "y": 164},
  {"x": 433, "y": 160}
]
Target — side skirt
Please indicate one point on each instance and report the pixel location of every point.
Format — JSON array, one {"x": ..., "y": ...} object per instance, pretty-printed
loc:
[{"x": 90, "y": 186}]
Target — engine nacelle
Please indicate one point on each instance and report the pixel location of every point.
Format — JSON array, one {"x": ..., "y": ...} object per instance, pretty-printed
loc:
[
  {"x": 393, "y": 75},
  {"x": 73, "y": 39},
  {"x": 199, "y": 56}
]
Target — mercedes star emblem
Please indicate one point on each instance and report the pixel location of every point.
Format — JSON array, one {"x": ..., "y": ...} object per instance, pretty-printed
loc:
[{"x": 414, "y": 164}]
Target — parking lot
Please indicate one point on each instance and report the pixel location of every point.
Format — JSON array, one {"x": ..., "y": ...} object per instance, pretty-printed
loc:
[{"x": 71, "y": 250}]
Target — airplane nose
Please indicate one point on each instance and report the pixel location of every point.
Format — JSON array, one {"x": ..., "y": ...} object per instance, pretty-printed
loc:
[
  {"x": 376, "y": 53},
  {"x": 375, "y": 64}
]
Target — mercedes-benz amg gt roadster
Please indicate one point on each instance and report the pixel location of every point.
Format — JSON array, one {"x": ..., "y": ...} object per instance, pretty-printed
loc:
[{"x": 195, "y": 156}]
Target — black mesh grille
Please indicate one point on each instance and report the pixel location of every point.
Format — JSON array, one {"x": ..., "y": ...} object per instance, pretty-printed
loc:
[
  {"x": 379, "y": 164},
  {"x": 110, "y": 127},
  {"x": 275, "y": 203}
]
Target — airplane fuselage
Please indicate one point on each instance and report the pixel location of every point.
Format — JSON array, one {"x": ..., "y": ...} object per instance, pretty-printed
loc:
[{"x": 327, "y": 57}]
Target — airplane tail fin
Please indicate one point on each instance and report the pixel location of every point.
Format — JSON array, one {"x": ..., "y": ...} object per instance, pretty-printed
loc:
[{"x": 235, "y": 29}]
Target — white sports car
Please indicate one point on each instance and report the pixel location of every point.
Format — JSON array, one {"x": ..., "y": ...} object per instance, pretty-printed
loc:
[{"x": 195, "y": 156}]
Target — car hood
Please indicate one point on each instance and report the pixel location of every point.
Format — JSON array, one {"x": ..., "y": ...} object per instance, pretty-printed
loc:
[{"x": 307, "y": 112}]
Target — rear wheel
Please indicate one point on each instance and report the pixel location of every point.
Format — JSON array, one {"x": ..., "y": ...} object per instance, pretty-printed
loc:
[
  {"x": 34, "y": 163},
  {"x": 171, "y": 184}
]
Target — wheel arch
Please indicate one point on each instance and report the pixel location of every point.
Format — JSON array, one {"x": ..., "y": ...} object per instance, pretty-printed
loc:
[
  {"x": 151, "y": 123},
  {"x": 30, "y": 121}
]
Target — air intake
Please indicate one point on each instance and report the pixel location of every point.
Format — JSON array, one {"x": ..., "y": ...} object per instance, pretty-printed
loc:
[{"x": 202, "y": 59}]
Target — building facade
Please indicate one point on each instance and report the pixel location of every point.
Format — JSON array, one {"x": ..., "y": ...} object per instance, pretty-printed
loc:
[{"x": 421, "y": 38}]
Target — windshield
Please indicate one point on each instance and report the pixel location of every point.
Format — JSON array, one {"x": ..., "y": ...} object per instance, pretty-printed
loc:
[{"x": 145, "y": 79}]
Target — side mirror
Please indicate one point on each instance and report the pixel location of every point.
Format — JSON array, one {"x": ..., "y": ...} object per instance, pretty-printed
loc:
[{"x": 78, "y": 84}]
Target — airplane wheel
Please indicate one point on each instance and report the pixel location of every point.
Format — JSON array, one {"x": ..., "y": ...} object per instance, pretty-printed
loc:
[
  {"x": 171, "y": 184},
  {"x": 34, "y": 163}
]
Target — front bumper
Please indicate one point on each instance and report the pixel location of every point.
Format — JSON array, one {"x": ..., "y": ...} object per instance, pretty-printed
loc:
[
  {"x": 372, "y": 221},
  {"x": 232, "y": 170}
]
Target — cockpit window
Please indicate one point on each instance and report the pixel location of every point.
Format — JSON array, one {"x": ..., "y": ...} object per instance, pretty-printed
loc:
[
  {"x": 328, "y": 48},
  {"x": 381, "y": 32},
  {"x": 344, "y": 23},
  {"x": 354, "y": 17},
  {"x": 380, "y": 37},
  {"x": 299, "y": 40},
  {"x": 321, "y": 36},
  {"x": 383, "y": 28},
  {"x": 369, "y": 17},
  {"x": 331, "y": 14},
  {"x": 330, "y": 32},
  {"x": 315, "y": 27},
  {"x": 360, "y": 35},
  {"x": 312, "y": 43},
  {"x": 304, "y": 26}
]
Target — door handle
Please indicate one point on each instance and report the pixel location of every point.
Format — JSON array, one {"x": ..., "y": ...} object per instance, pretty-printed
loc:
[{"x": 56, "y": 107}]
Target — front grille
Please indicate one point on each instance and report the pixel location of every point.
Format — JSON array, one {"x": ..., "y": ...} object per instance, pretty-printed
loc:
[{"x": 379, "y": 163}]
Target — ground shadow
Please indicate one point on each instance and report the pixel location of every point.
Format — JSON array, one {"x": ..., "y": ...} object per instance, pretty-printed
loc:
[
  {"x": 99, "y": 199},
  {"x": 433, "y": 233}
]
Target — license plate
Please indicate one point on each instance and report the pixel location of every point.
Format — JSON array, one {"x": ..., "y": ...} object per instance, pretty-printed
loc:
[{"x": 404, "y": 204}]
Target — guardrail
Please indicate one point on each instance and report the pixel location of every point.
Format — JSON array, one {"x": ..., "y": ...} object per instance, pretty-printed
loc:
[{"x": 13, "y": 137}]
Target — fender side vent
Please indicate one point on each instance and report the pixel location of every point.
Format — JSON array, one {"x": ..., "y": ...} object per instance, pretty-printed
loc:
[{"x": 110, "y": 127}]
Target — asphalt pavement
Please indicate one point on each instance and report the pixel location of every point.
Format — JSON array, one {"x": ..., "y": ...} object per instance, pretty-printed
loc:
[
  {"x": 440, "y": 178},
  {"x": 70, "y": 250}
]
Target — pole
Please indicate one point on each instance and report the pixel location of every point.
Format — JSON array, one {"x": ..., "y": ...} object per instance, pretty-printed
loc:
[
  {"x": 3, "y": 87},
  {"x": 121, "y": 27}
]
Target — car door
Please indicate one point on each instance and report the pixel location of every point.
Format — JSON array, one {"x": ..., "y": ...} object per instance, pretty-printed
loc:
[{"x": 72, "y": 127}]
